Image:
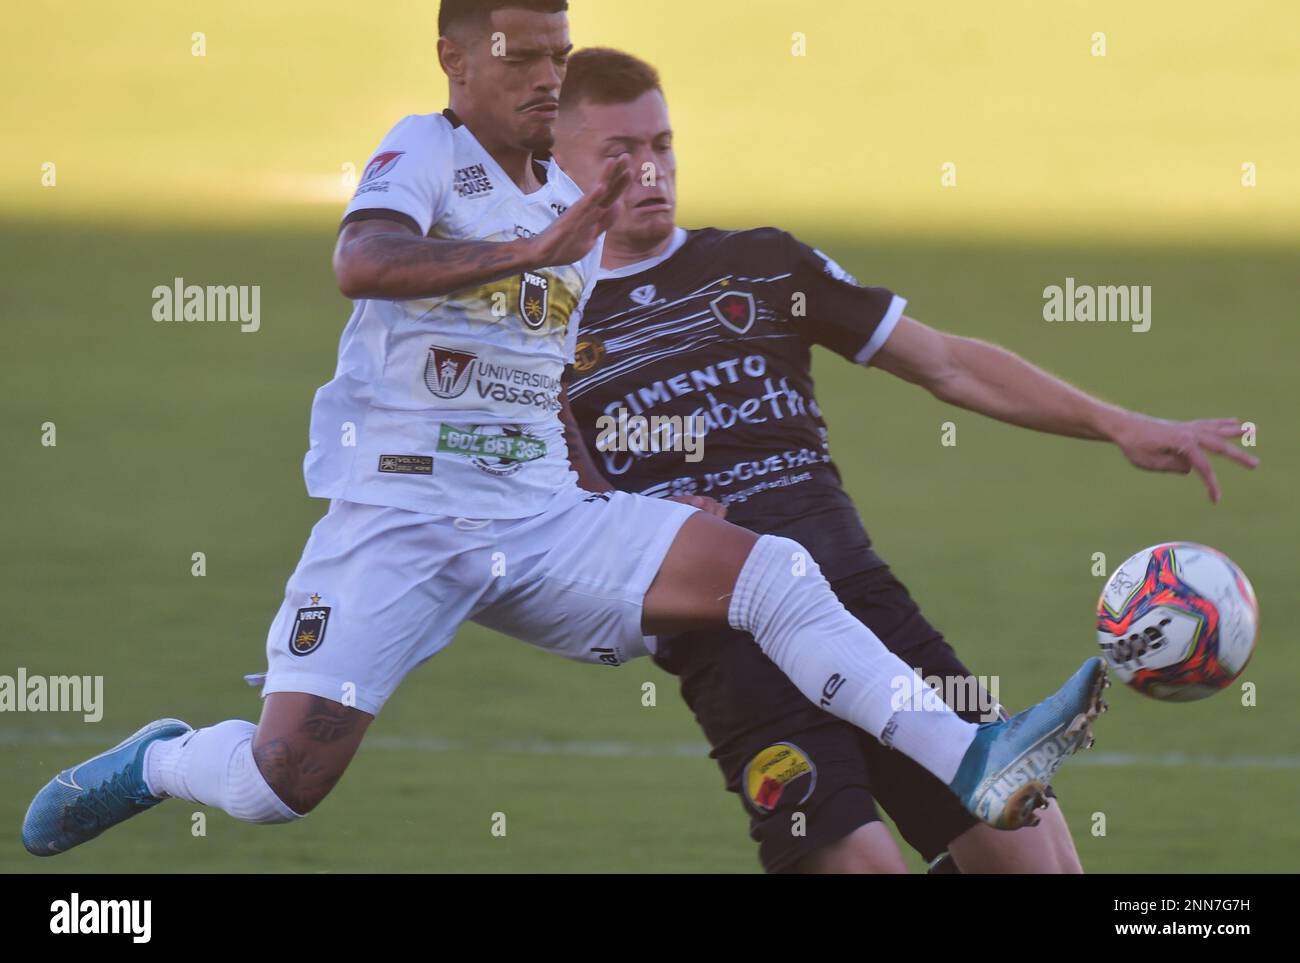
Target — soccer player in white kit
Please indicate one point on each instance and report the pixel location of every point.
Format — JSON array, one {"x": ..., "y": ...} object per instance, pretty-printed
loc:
[{"x": 440, "y": 445}]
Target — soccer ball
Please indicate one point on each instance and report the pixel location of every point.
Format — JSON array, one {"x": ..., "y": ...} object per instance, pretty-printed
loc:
[{"x": 1177, "y": 621}]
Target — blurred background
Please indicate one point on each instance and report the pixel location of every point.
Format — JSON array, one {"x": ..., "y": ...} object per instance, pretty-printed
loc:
[{"x": 219, "y": 143}]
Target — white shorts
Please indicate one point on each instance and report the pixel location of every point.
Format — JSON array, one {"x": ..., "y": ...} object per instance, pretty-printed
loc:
[{"x": 380, "y": 590}]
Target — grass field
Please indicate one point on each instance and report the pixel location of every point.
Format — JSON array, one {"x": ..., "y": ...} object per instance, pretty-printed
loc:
[{"x": 174, "y": 439}]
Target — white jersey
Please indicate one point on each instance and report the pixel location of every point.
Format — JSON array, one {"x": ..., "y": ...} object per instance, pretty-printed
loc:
[{"x": 449, "y": 405}]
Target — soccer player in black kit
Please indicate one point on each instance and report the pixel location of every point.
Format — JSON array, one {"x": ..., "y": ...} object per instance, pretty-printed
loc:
[{"x": 718, "y": 325}]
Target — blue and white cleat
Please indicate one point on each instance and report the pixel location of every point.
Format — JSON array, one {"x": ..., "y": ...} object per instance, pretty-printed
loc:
[
  {"x": 80, "y": 803},
  {"x": 1004, "y": 774}
]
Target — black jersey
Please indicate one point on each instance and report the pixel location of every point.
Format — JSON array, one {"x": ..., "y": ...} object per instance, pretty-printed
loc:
[{"x": 718, "y": 332}]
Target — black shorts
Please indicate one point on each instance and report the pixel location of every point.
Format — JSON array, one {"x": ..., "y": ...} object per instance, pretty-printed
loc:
[{"x": 791, "y": 762}]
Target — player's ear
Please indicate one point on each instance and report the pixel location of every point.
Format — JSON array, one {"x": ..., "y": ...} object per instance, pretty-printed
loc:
[{"x": 451, "y": 57}]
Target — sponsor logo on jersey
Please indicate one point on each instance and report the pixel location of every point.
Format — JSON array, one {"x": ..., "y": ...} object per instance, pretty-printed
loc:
[
  {"x": 772, "y": 464},
  {"x": 308, "y": 633},
  {"x": 831, "y": 689},
  {"x": 534, "y": 299},
  {"x": 472, "y": 181},
  {"x": 380, "y": 165},
  {"x": 734, "y": 310},
  {"x": 588, "y": 355},
  {"x": 689, "y": 486},
  {"x": 406, "y": 464},
  {"x": 606, "y": 656},
  {"x": 779, "y": 775},
  {"x": 834, "y": 270},
  {"x": 447, "y": 372},
  {"x": 643, "y": 295},
  {"x": 517, "y": 386},
  {"x": 499, "y": 450},
  {"x": 729, "y": 372}
]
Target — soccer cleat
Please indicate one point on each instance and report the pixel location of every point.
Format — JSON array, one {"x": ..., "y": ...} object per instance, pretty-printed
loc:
[
  {"x": 1003, "y": 777},
  {"x": 80, "y": 803},
  {"x": 943, "y": 865}
]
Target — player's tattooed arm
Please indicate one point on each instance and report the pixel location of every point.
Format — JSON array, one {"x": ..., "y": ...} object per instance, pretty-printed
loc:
[
  {"x": 385, "y": 258},
  {"x": 381, "y": 258},
  {"x": 589, "y": 476}
]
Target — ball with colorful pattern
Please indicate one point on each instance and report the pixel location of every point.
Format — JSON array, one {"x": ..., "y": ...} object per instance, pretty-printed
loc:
[{"x": 1177, "y": 621}]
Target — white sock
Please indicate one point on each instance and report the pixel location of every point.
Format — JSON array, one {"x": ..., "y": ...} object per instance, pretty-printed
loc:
[
  {"x": 930, "y": 736},
  {"x": 215, "y": 767},
  {"x": 782, "y": 599}
]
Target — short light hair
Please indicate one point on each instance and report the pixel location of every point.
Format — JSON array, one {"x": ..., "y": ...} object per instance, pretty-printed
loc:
[{"x": 600, "y": 75}]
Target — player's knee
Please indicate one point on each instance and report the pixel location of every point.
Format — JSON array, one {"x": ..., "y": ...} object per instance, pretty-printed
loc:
[
  {"x": 777, "y": 572},
  {"x": 779, "y": 552},
  {"x": 1064, "y": 857},
  {"x": 868, "y": 850},
  {"x": 1046, "y": 848}
]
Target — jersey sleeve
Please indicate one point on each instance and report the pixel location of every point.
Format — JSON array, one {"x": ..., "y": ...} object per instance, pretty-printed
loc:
[
  {"x": 591, "y": 269},
  {"x": 409, "y": 177},
  {"x": 849, "y": 318}
]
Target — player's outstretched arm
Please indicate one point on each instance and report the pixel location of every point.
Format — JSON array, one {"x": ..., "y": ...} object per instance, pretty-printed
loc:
[
  {"x": 982, "y": 377},
  {"x": 386, "y": 259}
]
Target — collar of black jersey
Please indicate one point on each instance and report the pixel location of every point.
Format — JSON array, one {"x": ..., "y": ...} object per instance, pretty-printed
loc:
[{"x": 538, "y": 156}]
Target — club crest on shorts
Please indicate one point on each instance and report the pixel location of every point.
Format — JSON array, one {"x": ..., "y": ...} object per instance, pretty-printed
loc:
[
  {"x": 780, "y": 775},
  {"x": 446, "y": 371},
  {"x": 534, "y": 299},
  {"x": 734, "y": 310},
  {"x": 309, "y": 628}
]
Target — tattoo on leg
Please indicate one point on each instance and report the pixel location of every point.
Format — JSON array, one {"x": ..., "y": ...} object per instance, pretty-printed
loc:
[
  {"x": 328, "y": 721},
  {"x": 299, "y": 780},
  {"x": 300, "y": 770}
]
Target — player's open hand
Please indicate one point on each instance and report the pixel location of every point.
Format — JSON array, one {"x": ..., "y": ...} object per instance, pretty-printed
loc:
[
  {"x": 703, "y": 502},
  {"x": 575, "y": 232},
  {"x": 1183, "y": 446}
]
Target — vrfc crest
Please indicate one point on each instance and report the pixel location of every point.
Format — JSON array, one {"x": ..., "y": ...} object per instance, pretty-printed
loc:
[
  {"x": 308, "y": 632},
  {"x": 534, "y": 299}
]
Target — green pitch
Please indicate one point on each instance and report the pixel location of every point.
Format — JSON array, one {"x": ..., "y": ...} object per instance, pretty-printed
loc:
[
  {"x": 176, "y": 439},
  {"x": 231, "y": 167}
]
